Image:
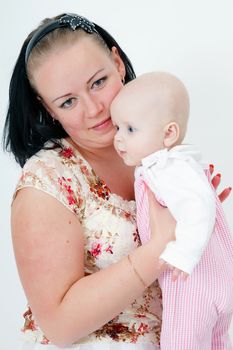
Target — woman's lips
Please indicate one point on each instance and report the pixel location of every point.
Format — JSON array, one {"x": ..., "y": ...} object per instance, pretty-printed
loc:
[{"x": 102, "y": 125}]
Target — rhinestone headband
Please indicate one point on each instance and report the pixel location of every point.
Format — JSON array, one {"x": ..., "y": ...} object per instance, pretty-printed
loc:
[{"x": 69, "y": 20}]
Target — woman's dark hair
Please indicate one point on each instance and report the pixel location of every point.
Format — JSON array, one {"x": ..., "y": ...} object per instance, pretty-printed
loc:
[{"x": 28, "y": 125}]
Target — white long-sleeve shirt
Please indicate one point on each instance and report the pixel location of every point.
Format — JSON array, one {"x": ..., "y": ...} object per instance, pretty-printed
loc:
[{"x": 177, "y": 177}]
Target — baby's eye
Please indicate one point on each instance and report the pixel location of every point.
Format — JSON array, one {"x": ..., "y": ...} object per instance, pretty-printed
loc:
[
  {"x": 68, "y": 103},
  {"x": 130, "y": 129}
]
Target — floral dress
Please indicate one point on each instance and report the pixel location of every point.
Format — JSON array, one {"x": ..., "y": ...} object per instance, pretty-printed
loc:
[{"x": 110, "y": 233}]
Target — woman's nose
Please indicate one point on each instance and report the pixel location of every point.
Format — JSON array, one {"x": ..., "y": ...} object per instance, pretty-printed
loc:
[{"x": 93, "y": 106}]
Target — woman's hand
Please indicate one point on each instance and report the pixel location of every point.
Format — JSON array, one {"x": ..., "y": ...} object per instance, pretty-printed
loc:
[{"x": 216, "y": 181}]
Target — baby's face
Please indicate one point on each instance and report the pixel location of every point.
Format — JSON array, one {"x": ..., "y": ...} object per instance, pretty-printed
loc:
[{"x": 138, "y": 132}]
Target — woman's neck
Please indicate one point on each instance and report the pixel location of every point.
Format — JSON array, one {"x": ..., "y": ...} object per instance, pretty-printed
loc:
[
  {"x": 95, "y": 154},
  {"x": 109, "y": 167}
]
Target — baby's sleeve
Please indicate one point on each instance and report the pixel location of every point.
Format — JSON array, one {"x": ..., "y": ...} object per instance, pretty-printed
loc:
[{"x": 191, "y": 200}]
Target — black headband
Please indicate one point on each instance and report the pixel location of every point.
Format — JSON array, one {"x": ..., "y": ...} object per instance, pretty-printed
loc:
[{"x": 68, "y": 20}]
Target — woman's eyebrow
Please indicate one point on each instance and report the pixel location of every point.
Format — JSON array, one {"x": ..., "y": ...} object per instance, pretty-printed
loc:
[
  {"x": 98, "y": 71},
  {"x": 57, "y": 98}
]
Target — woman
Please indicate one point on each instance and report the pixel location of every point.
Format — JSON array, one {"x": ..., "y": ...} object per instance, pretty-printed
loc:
[{"x": 73, "y": 216}]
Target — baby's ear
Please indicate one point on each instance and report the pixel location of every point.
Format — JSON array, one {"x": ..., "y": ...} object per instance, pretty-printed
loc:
[{"x": 171, "y": 134}]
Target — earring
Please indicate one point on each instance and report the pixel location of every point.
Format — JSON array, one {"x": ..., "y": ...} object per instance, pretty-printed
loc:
[{"x": 123, "y": 81}]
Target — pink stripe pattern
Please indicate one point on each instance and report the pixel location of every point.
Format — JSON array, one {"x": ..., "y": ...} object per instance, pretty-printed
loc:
[{"x": 196, "y": 313}]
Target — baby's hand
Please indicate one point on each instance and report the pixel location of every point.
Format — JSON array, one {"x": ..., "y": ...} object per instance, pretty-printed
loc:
[{"x": 175, "y": 272}]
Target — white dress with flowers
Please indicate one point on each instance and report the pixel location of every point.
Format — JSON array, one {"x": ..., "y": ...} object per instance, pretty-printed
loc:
[{"x": 110, "y": 232}]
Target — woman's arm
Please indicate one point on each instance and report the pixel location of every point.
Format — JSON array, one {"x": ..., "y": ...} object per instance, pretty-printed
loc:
[{"x": 49, "y": 250}]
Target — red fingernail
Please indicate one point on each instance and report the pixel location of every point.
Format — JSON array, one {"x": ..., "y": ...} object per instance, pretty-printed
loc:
[
  {"x": 219, "y": 175},
  {"x": 229, "y": 188},
  {"x": 211, "y": 166}
]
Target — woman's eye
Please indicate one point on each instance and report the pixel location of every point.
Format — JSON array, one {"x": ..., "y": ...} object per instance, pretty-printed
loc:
[
  {"x": 99, "y": 82},
  {"x": 68, "y": 103}
]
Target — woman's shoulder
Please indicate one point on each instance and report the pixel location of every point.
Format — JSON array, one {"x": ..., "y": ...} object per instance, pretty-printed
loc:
[
  {"x": 58, "y": 159},
  {"x": 56, "y": 170}
]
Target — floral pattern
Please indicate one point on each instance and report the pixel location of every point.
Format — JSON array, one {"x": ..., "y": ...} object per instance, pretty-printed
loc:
[{"x": 110, "y": 233}]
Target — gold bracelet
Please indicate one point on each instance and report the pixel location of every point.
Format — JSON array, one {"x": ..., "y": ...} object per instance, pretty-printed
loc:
[{"x": 136, "y": 272}]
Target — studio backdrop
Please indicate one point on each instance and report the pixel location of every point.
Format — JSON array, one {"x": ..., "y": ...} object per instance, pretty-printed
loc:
[{"x": 191, "y": 39}]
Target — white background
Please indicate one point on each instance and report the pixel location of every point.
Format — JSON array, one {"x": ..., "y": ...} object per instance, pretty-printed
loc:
[{"x": 190, "y": 38}]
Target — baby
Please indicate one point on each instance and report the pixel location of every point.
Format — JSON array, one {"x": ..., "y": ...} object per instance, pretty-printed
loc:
[{"x": 151, "y": 114}]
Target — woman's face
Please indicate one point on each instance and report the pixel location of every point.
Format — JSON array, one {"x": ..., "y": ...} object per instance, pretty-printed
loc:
[{"x": 77, "y": 84}]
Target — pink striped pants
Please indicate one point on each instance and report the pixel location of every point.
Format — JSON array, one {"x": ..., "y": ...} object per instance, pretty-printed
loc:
[{"x": 196, "y": 313}]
